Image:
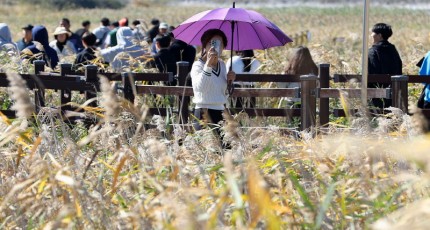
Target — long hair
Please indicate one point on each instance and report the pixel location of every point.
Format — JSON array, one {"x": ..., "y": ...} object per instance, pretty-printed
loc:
[
  {"x": 247, "y": 56},
  {"x": 301, "y": 62}
]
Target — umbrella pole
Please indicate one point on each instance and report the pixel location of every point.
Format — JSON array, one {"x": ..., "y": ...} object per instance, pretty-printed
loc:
[{"x": 230, "y": 86}]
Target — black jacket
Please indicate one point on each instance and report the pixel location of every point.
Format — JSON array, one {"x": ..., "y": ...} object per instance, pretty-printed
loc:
[
  {"x": 85, "y": 56},
  {"x": 181, "y": 51},
  {"x": 151, "y": 33},
  {"x": 77, "y": 42},
  {"x": 165, "y": 62},
  {"x": 383, "y": 59}
]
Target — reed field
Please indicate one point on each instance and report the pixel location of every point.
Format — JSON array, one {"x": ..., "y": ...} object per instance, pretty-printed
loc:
[{"x": 360, "y": 173}]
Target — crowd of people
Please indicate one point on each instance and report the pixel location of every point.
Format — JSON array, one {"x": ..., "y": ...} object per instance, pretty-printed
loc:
[
  {"x": 112, "y": 44},
  {"x": 116, "y": 43}
]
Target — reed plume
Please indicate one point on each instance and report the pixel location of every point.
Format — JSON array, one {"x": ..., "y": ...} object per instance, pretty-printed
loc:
[
  {"x": 20, "y": 95},
  {"x": 109, "y": 101}
]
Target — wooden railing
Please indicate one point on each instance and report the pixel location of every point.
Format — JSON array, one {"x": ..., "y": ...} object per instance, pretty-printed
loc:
[{"x": 67, "y": 81}]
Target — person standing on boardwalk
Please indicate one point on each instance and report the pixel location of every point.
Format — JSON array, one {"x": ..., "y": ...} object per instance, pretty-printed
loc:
[
  {"x": 244, "y": 62},
  {"x": 383, "y": 59},
  {"x": 209, "y": 78},
  {"x": 299, "y": 63}
]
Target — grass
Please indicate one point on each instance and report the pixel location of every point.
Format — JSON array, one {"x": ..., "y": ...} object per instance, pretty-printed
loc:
[{"x": 117, "y": 174}]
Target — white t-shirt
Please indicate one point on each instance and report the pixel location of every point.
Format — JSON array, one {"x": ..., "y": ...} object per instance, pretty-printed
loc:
[{"x": 239, "y": 66}]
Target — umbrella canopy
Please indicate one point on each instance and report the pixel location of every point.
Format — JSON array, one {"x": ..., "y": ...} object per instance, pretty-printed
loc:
[{"x": 246, "y": 29}]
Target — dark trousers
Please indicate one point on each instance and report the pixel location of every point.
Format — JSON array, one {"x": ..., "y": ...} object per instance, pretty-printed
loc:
[
  {"x": 241, "y": 102},
  {"x": 208, "y": 116},
  {"x": 380, "y": 103},
  {"x": 211, "y": 117}
]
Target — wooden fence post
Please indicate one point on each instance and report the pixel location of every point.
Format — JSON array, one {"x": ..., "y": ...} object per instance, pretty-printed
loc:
[
  {"x": 400, "y": 92},
  {"x": 308, "y": 91},
  {"x": 127, "y": 79},
  {"x": 182, "y": 72},
  {"x": 324, "y": 109},
  {"x": 184, "y": 101},
  {"x": 39, "y": 66},
  {"x": 91, "y": 79},
  {"x": 39, "y": 91},
  {"x": 66, "y": 94}
]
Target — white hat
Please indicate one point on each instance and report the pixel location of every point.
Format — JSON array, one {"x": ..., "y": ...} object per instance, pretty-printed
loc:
[
  {"x": 61, "y": 30},
  {"x": 163, "y": 25}
]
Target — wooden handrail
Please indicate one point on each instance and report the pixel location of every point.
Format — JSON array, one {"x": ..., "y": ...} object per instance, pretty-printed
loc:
[
  {"x": 239, "y": 92},
  {"x": 354, "y": 93}
]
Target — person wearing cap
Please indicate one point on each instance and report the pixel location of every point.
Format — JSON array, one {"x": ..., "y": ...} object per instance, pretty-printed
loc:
[
  {"x": 27, "y": 37},
  {"x": 102, "y": 32},
  {"x": 61, "y": 44},
  {"x": 162, "y": 30},
  {"x": 40, "y": 50}
]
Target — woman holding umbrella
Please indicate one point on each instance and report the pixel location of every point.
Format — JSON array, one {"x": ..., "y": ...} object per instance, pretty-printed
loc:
[{"x": 209, "y": 77}]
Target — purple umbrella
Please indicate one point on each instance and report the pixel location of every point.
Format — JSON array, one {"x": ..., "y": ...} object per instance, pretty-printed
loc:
[{"x": 246, "y": 28}]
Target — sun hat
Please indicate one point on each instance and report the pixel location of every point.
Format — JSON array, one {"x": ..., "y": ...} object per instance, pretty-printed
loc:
[
  {"x": 163, "y": 25},
  {"x": 61, "y": 30}
]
